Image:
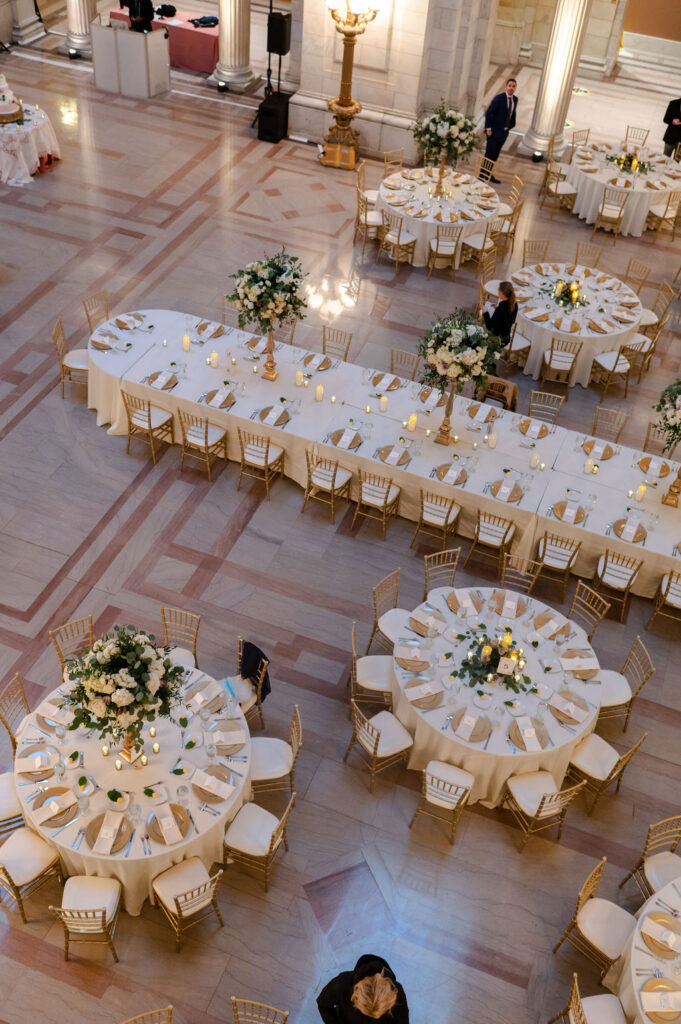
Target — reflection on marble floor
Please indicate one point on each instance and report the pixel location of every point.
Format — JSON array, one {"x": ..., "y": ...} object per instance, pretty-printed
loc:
[{"x": 159, "y": 202}]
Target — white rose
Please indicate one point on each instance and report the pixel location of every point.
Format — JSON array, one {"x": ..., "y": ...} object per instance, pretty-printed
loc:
[
  {"x": 454, "y": 132},
  {"x": 126, "y": 718},
  {"x": 122, "y": 697},
  {"x": 97, "y": 708},
  {"x": 442, "y": 131}
]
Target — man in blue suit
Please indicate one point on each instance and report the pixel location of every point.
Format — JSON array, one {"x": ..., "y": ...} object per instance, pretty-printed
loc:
[{"x": 499, "y": 119}]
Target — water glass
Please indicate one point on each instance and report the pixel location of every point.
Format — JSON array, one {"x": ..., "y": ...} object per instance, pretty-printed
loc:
[
  {"x": 205, "y": 716},
  {"x": 60, "y": 733},
  {"x": 211, "y": 751},
  {"x": 135, "y": 813},
  {"x": 498, "y": 713},
  {"x": 231, "y": 708},
  {"x": 183, "y": 795},
  {"x": 59, "y": 769},
  {"x": 83, "y": 802}
]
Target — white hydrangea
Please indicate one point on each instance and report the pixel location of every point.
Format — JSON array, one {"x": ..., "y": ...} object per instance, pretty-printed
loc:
[{"x": 122, "y": 697}]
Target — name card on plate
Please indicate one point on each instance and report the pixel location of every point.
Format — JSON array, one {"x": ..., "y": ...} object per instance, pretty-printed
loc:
[
  {"x": 467, "y": 723},
  {"x": 107, "y": 833},
  {"x": 53, "y": 807},
  {"x": 424, "y": 690},
  {"x": 568, "y": 708},
  {"x": 661, "y": 934},
  {"x": 228, "y": 739},
  {"x": 527, "y": 731},
  {"x": 346, "y": 438},
  {"x": 212, "y": 784}
]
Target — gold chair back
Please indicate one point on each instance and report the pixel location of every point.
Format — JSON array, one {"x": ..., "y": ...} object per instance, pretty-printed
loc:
[
  {"x": 336, "y": 343},
  {"x": 248, "y": 1011},
  {"x": 637, "y": 273},
  {"x": 72, "y": 639},
  {"x": 588, "y": 608},
  {"x": 13, "y": 707},
  {"x": 440, "y": 567},
  {"x": 59, "y": 339},
  {"x": 404, "y": 364},
  {"x": 180, "y": 628},
  {"x": 638, "y": 667},
  {"x": 637, "y": 135},
  {"x": 609, "y": 424},
  {"x": 96, "y": 309},
  {"x": 545, "y": 406},
  {"x": 519, "y": 573},
  {"x": 392, "y": 161},
  {"x": 164, "y": 1016},
  {"x": 535, "y": 250},
  {"x": 589, "y": 255}
]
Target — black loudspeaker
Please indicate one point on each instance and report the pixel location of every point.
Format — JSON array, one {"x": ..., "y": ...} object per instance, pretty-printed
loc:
[
  {"x": 278, "y": 33},
  {"x": 273, "y": 117}
]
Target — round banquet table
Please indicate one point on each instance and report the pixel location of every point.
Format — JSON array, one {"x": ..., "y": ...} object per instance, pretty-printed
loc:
[
  {"x": 134, "y": 869},
  {"x": 590, "y": 173},
  {"x": 23, "y": 145},
  {"x": 494, "y": 761},
  {"x": 469, "y": 203},
  {"x": 603, "y": 324},
  {"x": 623, "y": 979}
]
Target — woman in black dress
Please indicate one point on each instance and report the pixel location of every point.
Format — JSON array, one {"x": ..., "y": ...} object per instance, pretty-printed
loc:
[
  {"x": 365, "y": 995},
  {"x": 500, "y": 322}
]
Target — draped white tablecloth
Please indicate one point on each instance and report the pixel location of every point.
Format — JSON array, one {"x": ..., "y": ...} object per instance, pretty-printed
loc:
[
  {"x": 464, "y": 194},
  {"x": 591, "y": 185},
  {"x": 136, "y": 871},
  {"x": 622, "y": 978},
  {"x": 535, "y": 285},
  {"x": 499, "y": 761},
  {"x": 353, "y": 388},
  {"x": 22, "y": 145}
]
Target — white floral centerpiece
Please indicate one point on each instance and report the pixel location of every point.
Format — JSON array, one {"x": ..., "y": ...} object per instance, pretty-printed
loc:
[
  {"x": 267, "y": 292},
  {"x": 445, "y": 136},
  {"x": 124, "y": 681},
  {"x": 670, "y": 420}
]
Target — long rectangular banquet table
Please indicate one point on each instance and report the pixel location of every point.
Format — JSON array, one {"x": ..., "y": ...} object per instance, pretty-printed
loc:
[
  {"x": 352, "y": 387},
  {"x": 191, "y": 48}
]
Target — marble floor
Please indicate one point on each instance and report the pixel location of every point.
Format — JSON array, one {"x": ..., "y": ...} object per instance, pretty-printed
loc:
[{"x": 159, "y": 202}]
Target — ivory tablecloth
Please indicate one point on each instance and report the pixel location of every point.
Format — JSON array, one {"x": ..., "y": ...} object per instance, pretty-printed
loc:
[
  {"x": 189, "y": 47},
  {"x": 494, "y": 765},
  {"x": 22, "y": 146}
]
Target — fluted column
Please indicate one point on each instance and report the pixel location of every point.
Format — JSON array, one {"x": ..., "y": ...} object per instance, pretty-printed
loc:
[
  {"x": 558, "y": 74},
  {"x": 233, "y": 66},
  {"x": 79, "y": 15}
]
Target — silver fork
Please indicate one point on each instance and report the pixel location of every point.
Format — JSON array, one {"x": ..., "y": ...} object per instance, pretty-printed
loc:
[
  {"x": 79, "y": 834},
  {"x": 148, "y": 842},
  {"x": 446, "y": 722},
  {"x": 209, "y": 810}
]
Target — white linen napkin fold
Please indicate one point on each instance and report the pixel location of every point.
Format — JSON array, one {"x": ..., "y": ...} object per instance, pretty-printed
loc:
[
  {"x": 64, "y": 716},
  {"x": 227, "y": 739},
  {"x": 213, "y": 785},
  {"x": 432, "y": 399},
  {"x": 405, "y": 653},
  {"x": 272, "y": 415},
  {"x": 505, "y": 490},
  {"x": 578, "y": 664},
  {"x": 35, "y": 762},
  {"x": 107, "y": 833},
  {"x": 205, "y": 696},
  {"x": 163, "y": 378},
  {"x": 597, "y": 450},
  {"x": 346, "y": 438},
  {"x": 54, "y": 806},
  {"x": 167, "y": 824},
  {"x": 534, "y": 428},
  {"x": 482, "y": 413},
  {"x": 568, "y": 707},
  {"x": 556, "y": 622},
  {"x": 424, "y": 617},
  {"x": 571, "y": 510},
  {"x": 527, "y": 731},
  {"x": 629, "y": 528},
  {"x": 424, "y": 690},
  {"x": 451, "y": 474},
  {"x": 465, "y": 600},
  {"x": 661, "y": 1002},
  {"x": 315, "y": 361},
  {"x": 385, "y": 379},
  {"x": 661, "y": 934},
  {"x": 655, "y": 466},
  {"x": 467, "y": 723},
  {"x": 510, "y": 606},
  {"x": 393, "y": 455},
  {"x": 219, "y": 397},
  {"x": 261, "y": 346}
]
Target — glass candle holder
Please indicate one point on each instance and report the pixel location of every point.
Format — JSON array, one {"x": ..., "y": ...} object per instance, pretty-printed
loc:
[
  {"x": 152, "y": 731},
  {"x": 105, "y": 750},
  {"x": 156, "y": 747}
]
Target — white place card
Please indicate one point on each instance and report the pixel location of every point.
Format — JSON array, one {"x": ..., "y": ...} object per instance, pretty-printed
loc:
[
  {"x": 510, "y": 608},
  {"x": 504, "y": 491},
  {"x": 432, "y": 399},
  {"x": 167, "y": 824},
  {"x": 579, "y": 664},
  {"x": 655, "y": 466},
  {"x": 107, "y": 833},
  {"x": 205, "y": 696},
  {"x": 597, "y": 450},
  {"x": 661, "y": 934},
  {"x": 529, "y": 735},
  {"x": 534, "y": 428},
  {"x": 35, "y": 762},
  {"x": 424, "y": 690},
  {"x": 661, "y": 1002},
  {"x": 212, "y": 784},
  {"x": 467, "y": 723},
  {"x": 229, "y": 738},
  {"x": 464, "y": 599},
  {"x": 452, "y": 474},
  {"x": 555, "y": 623}
]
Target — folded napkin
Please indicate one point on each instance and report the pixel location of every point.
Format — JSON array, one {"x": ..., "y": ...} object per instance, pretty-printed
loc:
[
  {"x": 567, "y": 324},
  {"x": 568, "y": 707},
  {"x": 219, "y": 397},
  {"x": 418, "y": 213},
  {"x": 661, "y": 1002},
  {"x": 163, "y": 378},
  {"x": 510, "y": 609},
  {"x": 384, "y": 380},
  {"x": 625, "y": 315},
  {"x": 598, "y": 326},
  {"x": 620, "y": 182},
  {"x": 346, "y": 437},
  {"x": 527, "y": 731},
  {"x": 661, "y": 934},
  {"x": 468, "y": 214},
  {"x": 205, "y": 696},
  {"x": 432, "y": 399},
  {"x": 589, "y": 168},
  {"x": 550, "y": 628},
  {"x": 655, "y": 466},
  {"x": 107, "y": 833},
  {"x": 424, "y": 690},
  {"x": 229, "y": 738},
  {"x": 504, "y": 491},
  {"x": 272, "y": 415},
  {"x": 631, "y": 302},
  {"x": 316, "y": 360},
  {"x": 423, "y": 617},
  {"x": 598, "y": 449},
  {"x": 167, "y": 824},
  {"x": 260, "y": 346},
  {"x": 467, "y": 723},
  {"x": 533, "y": 313},
  {"x": 64, "y": 716},
  {"x": 408, "y": 653},
  {"x": 571, "y": 510},
  {"x": 55, "y": 805},
  {"x": 394, "y": 454},
  {"x": 453, "y": 217},
  {"x": 35, "y": 762},
  {"x": 579, "y": 663},
  {"x": 629, "y": 529},
  {"x": 465, "y": 600},
  {"x": 482, "y": 413},
  {"x": 534, "y": 428},
  {"x": 451, "y": 475},
  {"x": 212, "y": 785},
  {"x": 657, "y": 185}
]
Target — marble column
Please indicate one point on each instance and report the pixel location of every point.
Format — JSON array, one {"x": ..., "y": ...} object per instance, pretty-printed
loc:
[
  {"x": 233, "y": 66},
  {"x": 26, "y": 25},
  {"x": 558, "y": 74},
  {"x": 79, "y": 15}
]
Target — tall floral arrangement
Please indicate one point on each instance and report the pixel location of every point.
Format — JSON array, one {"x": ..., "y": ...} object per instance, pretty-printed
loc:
[
  {"x": 455, "y": 350},
  {"x": 123, "y": 681},
  {"x": 447, "y": 132},
  {"x": 670, "y": 419},
  {"x": 269, "y": 291}
]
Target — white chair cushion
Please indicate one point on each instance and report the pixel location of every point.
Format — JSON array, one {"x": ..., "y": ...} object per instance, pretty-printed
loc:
[
  {"x": 616, "y": 576},
  {"x": 561, "y": 188},
  {"x": 158, "y": 418},
  {"x": 449, "y": 773},
  {"x": 436, "y": 515},
  {"x": 245, "y": 694},
  {"x": 90, "y": 892},
  {"x": 9, "y": 801},
  {"x": 662, "y": 868},
  {"x": 371, "y": 195},
  {"x": 605, "y": 1009},
  {"x": 251, "y": 831},
  {"x": 674, "y": 596},
  {"x": 394, "y": 737},
  {"x": 181, "y": 656},
  {"x": 504, "y": 210},
  {"x": 374, "y": 219},
  {"x": 77, "y": 359},
  {"x": 195, "y": 435},
  {"x": 595, "y": 757},
  {"x": 182, "y": 877},
  {"x": 493, "y": 537},
  {"x": 393, "y": 622},
  {"x": 660, "y": 210},
  {"x": 606, "y": 925},
  {"x": 442, "y": 246},
  {"x": 519, "y": 343},
  {"x": 477, "y": 242},
  {"x": 375, "y": 496},
  {"x": 606, "y": 360},
  {"x": 558, "y": 360},
  {"x": 376, "y": 672},
  {"x": 648, "y": 318},
  {"x": 554, "y": 557},
  {"x": 322, "y": 478},
  {"x": 405, "y": 238},
  {"x": 610, "y": 212},
  {"x": 254, "y": 455},
  {"x": 25, "y": 856},
  {"x": 614, "y": 688},
  {"x": 270, "y": 758},
  {"x": 528, "y": 789}
]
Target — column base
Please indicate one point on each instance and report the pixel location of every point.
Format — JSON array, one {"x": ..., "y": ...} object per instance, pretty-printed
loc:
[
  {"x": 533, "y": 142},
  {"x": 236, "y": 79},
  {"x": 26, "y": 30},
  {"x": 81, "y": 44}
]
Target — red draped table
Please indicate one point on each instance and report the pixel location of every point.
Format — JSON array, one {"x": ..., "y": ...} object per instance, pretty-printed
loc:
[{"x": 192, "y": 49}]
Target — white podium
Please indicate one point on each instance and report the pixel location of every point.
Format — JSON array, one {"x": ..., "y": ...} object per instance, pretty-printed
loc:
[{"x": 130, "y": 63}]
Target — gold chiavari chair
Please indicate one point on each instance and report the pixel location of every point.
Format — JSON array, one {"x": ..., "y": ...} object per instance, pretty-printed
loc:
[
  {"x": 545, "y": 406},
  {"x": 659, "y": 864},
  {"x": 444, "y": 248},
  {"x": 551, "y": 160},
  {"x": 492, "y": 539},
  {"x": 518, "y": 349},
  {"x": 610, "y": 369},
  {"x": 499, "y": 392},
  {"x": 559, "y": 362},
  {"x": 392, "y": 161},
  {"x": 636, "y": 135},
  {"x": 611, "y": 212},
  {"x": 254, "y": 838},
  {"x": 285, "y": 331},
  {"x": 201, "y": 440},
  {"x": 327, "y": 482},
  {"x": 519, "y": 573},
  {"x": 389, "y": 620},
  {"x": 667, "y": 599},
  {"x": 589, "y": 255},
  {"x": 89, "y": 911},
  {"x": 13, "y": 708},
  {"x": 637, "y": 353},
  {"x": 556, "y": 556},
  {"x": 187, "y": 894},
  {"x": 164, "y": 1016},
  {"x": 368, "y": 222},
  {"x": 505, "y": 240},
  {"x": 369, "y": 194},
  {"x": 475, "y": 247},
  {"x": 650, "y": 318},
  {"x": 601, "y": 936},
  {"x": 382, "y": 740},
  {"x": 273, "y": 761},
  {"x": 597, "y": 763},
  {"x": 438, "y": 516},
  {"x": 536, "y": 804},
  {"x": 260, "y": 459},
  {"x": 637, "y": 274},
  {"x": 180, "y": 634},
  {"x": 558, "y": 190},
  {"x": 483, "y": 168},
  {"x": 620, "y": 689},
  {"x": 249, "y": 691},
  {"x": 580, "y": 137},
  {"x": 440, "y": 569},
  {"x": 615, "y": 575},
  {"x": 27, "y": 862},
  {"x": 148, "y": 423},
  {"x": 608, "y": 424},
  {"x": 578, "y": 1011},
  {"x": 535, "y": 250},
  {"x": 645, "y": 345},
  {"x": 514, "y": 196},
  {"x": 73, "y": 365},
  {"x": 666, "y": 214},
  {"x": 336, "y": 343},
  {"x": 588, "y": 609},
  {"x": 96, "y": 309},
  {"x": 656, "y": 440},
  {"x": 444, "y": 793},
  {"x": 72, "y": 639},
  {"x": 399, "y": 243},
  {"x": 489, "y": 284},
  {"x": 378, "y": 499},
  {"x": 248, "y": 1011},
  {"x": 404, "y": 364},
  {"x": 11, "y": 816},
  {"x": 371, "y": 677}
]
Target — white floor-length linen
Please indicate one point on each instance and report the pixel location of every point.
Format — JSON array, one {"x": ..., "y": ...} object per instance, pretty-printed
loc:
[{"x": 22, "y": 145}]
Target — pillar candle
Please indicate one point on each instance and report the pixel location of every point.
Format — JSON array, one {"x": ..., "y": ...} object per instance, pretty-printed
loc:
[
  {"x": 534, "y": 460},
  {"x": 383, "y": 404},
  {"x": 186, "y": 344},
  {"x": 589, "y": 466},
  {"x": 412, "y": 422},
  {"x": 319, "y": 393},
  {"x": 640, "y": 492},
  {"x": 492, "y": 440},
  {"x": 299, "y": 378},
  {"x": 214, "y": 359}
]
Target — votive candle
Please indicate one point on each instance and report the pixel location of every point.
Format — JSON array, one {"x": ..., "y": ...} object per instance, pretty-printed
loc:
[
  {"x": 542, "y": 467},
  {"x": 383, "y": 404},
  {"x": 186, "y": 343},
  {"x": 640, "y": 492},
  {"x": 105, "y": 750},
  {"x": 233, "y": 360},
  {"x": 492, "y": 440},
  {"x": 319, "y": 393},
  {"x": 368, "y": 409},
  {"x": 214, "y": 359},
  {"x": 589, "y": 466},
  {"x": 152, "y": 731},
  {"x": 156, "y": 747},
  {"x": 299, "y": 378},
  {"x": 333, "y": 399},
  {"x": 165, "y": 343},
  {"x": 255, "y": 368},
  {"x": 144, "y": 760},
  {"x": 412, "y": 422},
  {"x": 118, "y": 764},
  {"x": 306, "y": 383},
  {"x": 428, "y": 431}
]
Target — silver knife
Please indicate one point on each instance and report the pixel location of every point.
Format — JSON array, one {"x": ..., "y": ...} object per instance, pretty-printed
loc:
[
  {"x": 53, "y": 834},
  {"x": 127, "y": 849},
  {"x": 191, "y": 818}
]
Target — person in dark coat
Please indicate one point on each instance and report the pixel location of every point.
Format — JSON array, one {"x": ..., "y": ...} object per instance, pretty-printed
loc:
[
  {"x": 141, "y": 13},
  {"x": 672, "y": 119},
  {"x": 501, "y": 320},
  {"x": 251, "y": 658},
  {"x": 367, "y": 994},
  {"x": 499, "y": 119}
]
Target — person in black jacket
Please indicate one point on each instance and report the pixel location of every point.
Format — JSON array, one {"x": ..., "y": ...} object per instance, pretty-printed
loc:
[
  {"x": 367, "y": 994},
  {"x": 141, "y": 13},
  {"x": 672, "y": 119},
  {"x": 499, "y": 119},
  {"x": 501, "y": 320}
]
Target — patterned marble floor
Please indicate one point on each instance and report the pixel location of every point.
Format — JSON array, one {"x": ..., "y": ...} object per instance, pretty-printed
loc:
[{"x": 159, "y": 202}]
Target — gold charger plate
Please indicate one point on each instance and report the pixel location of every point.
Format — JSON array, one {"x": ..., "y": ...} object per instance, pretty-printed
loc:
[
  {"x": 453, "y": 604},
  {"x": 644, "y": 464},
  {"x": 426, "y": 393},
  {"x": 392, "y": 386},
  {"x": 545, "y": 617},
  {"x": 481, "y": 729},
  {"x": 662, "y": 985},
  {"x": 122, "y": 836},
  {"x": 38, "y": 748},
  {"x": 622, "y": 184},
  {"x": 64, "y": 816},
  {"x": 103, "y": 346},
  {"x": 473, "y": 411},
  {"x": 122, "y": 324},
  {"x": 658, "y": 948},
  {"x": 499, "y": 596},
  {"x": 355, "y": 443},
  {"x": 218, "y": 771},
  {"x": 515, "y": 495},
  {"x": 412, "y": 664},
  {"x": 218, "y": 332},
  {"x": 453, "y": 217},
  {"x": 226, "y": 403},
  {"x": 204, "y": 325},
  {"x": 560, "y": 715},
  {"x": 170, "y": 383},
  {"x": 181, "y": 820},
  {"x": 640, "y": 534},
  {"x": 282, "y": 418},
  {"x": 230, "y": 725},
  {"x": 517, "y": 737},
  {"x": 433, "y": 700},
  {"x": 623, "y": 319},
  {"x": 385, "y": 451},
  {"x": 524, "y": 426},
  {"x": 46, "y": 723},
  {"x": 608, "y": 451},
  {"x": 441, "y": 473},
  {"x": 324, "y": 365},
  {"x": 559, "y": 511},
  {"x": 585, "y": 673},
  {"x": 422, "y": 630},
  {"x": 254, "y": 342}
]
